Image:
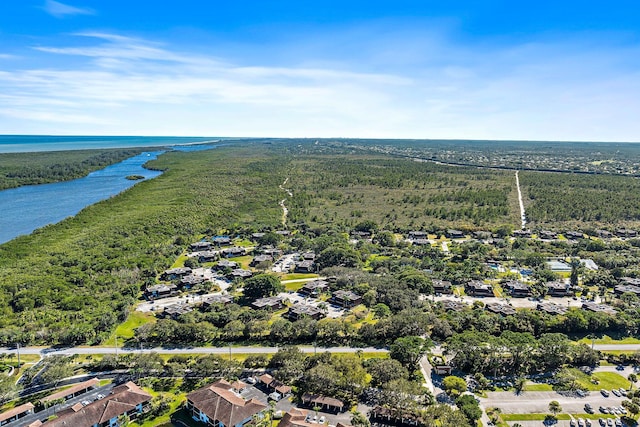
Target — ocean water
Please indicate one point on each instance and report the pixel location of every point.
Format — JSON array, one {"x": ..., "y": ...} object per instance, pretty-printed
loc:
[{"x": 31, "y": 143}]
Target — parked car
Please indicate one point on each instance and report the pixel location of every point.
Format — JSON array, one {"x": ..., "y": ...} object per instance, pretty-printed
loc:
[
  {"x": 604, "y": 392},
  {"x": 588, "y": 408},
  {"x": 623, "y": 392},
  {"x": 602, "y": 422},
  {"x": 322, "y": 420},
  {"x": 603, "y": 410},
  {"x": 581, "y": 422},
  {"x": 616, "y": 392},
  {"x": 581, "y": 393},
  {"x": 250, "y": 380},
  {"x": 610, "y": 422},
  {"x": 275, "y": 396}
]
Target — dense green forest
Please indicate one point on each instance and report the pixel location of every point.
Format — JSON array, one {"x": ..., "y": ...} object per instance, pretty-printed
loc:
[
  {"x": 570, "y": 200},
  {"x": 74, "y": 281},
  {"x": 400, "y": 194},
  {"x": 18, "y": 169}
]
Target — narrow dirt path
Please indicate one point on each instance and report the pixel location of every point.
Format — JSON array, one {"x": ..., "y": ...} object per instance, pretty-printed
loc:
[
  {"x": 523, "y": 217},
  {"x": 285, "y": 211}
]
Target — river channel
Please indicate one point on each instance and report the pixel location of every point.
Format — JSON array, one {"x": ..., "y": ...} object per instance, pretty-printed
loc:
[{"x": 27, "y": 208}]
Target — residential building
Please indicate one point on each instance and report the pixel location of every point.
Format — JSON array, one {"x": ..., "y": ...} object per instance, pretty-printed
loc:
[
  {"x": 442, "y": 287},
  {"x": 551, "y": 308},
  {"x": 345, "y": 299},
  {"x": 125, "y": 400},
  {"x": 269, "y": 303},
  {"x": 223, "y": 264},
  {"x": 174, "y": 311},
  {"x": 260, "y": 259},
  {"x": 217, "y": 299},
  {"x": 622, "y": 289},
  {"x": 517, "y": 289},
  {"x": 558, "y": 289},
  {"x": 455, "y": 234},
  {"x": 314, "y": 288},
  {"x": 200, "y": 246},
  {"x": 162, "y": 290},
  {"x": 271, "y": 384},
  {"x": 300, "y": 310},
  {"x": 329, "y": 404},
  {"x": 503, "y": 309},
  {"x": 478, "y": 288},
  {"x": 175, "y": 273},
  {"x": 218, "y": 405},
  {"x": 598, "y": 308},
  {"x": 451, "y": 305},
  {"x": 305, "y": 266}
]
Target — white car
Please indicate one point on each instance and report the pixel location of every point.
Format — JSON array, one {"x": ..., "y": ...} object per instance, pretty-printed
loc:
[
  {"x": 275, "y": 396},
  {"x": 322, "y": 420}
]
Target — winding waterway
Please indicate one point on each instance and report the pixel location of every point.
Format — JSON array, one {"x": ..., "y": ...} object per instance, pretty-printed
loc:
[{"x": 27, "y": 208}]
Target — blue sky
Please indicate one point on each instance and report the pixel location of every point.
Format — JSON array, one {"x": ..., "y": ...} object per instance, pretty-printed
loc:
[{"x": 539, "y": 70}]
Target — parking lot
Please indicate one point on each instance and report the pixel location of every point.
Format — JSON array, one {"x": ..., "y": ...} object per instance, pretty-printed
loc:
[{"x": 333, "y": 311}]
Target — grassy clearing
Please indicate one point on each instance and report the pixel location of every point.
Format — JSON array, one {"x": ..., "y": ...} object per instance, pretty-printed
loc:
[
  {"x": 243, "y": 261},
  {"x": 609, "y": 380},
  {"x": 605, "y": 339},
  {"x": 126, "y": 330},
  {"x": 179, "y": 262},
  {"x": 299, "y": 276},
  {"x": 531, "y": 417},
  {"x": 537, "y": 387}
]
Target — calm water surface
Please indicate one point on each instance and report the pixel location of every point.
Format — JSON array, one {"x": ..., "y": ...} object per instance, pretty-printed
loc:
[
  {"x": 27, "y": 208},
  {"x": 33, "y": 206}
]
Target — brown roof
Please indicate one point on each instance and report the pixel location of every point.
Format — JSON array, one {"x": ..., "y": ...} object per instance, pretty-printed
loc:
[
  {"x": 93, "y": 382},
  {"x": 266, "y": 379},
  {"x": 273, "y": 383},
  {"x": 296, "y": 418},
  {"x": 16, "y": 411},
  {"x": 36, "y": 423},
  {"x": 238, "y": 385},
  {"x": 218, "y": 402},
  {"x": 123, "y": 399},
  {"x": 322, "y": 400}
]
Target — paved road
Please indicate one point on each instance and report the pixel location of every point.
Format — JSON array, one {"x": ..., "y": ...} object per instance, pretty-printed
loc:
[{"x": 185, "y": 350}]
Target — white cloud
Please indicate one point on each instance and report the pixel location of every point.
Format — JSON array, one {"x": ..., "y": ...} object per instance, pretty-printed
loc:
[
  {"x": 123, "y": 85},
  {"x": 61, "y": 10}
]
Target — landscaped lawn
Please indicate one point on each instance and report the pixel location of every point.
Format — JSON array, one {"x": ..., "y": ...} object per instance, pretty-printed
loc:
[
  {"x": 243, "y": 261},
  {"x": 609, "y": 380},
  {"x": 605, "y": 339},
  {"x": 299, "y": 276},
  {"x": 538, "y": 387},
  {"x": 126, "y": 330},
  {"x": 531, "y": 417}
]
